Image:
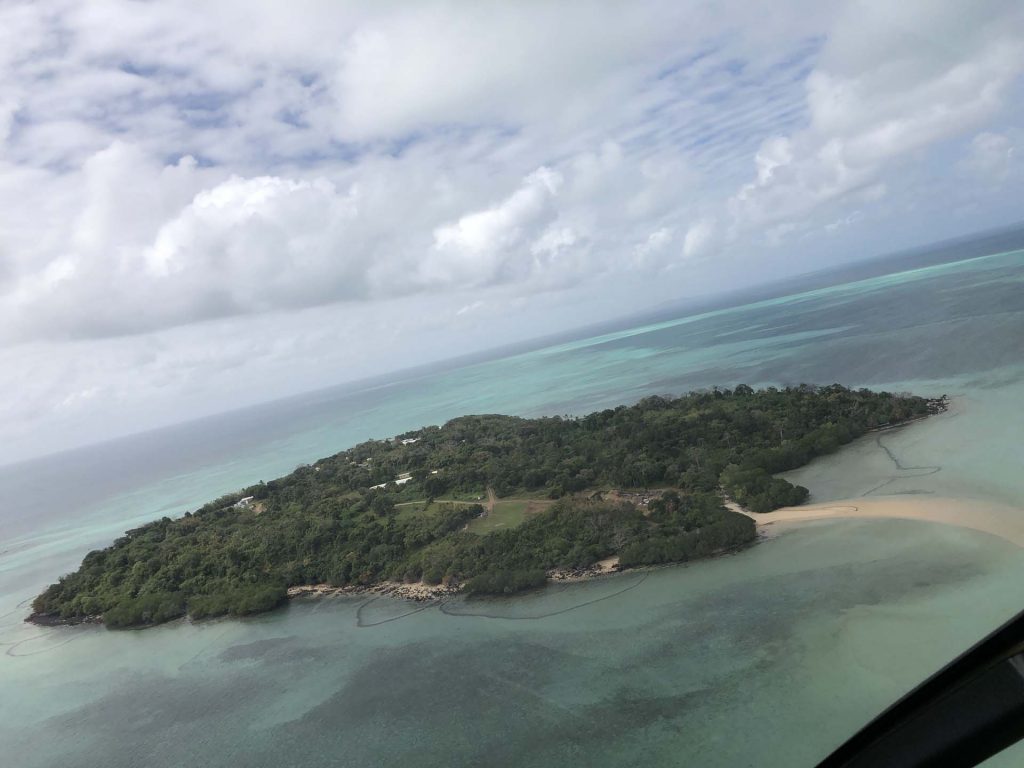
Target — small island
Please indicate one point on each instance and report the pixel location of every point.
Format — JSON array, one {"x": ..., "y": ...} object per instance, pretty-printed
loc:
[{"x": 483, "y": 505}]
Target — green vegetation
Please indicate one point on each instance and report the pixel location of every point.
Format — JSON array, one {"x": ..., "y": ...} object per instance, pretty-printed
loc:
[
  {"x": 506, "y": 582},
  {"x": 325, "y": 523}
]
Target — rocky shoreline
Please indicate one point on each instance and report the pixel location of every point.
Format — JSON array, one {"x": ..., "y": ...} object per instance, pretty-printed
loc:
[
  {"x": 417, "y": 592},
  {"x": 600, "y": 568},
  {"x": 420, "y": 592}
]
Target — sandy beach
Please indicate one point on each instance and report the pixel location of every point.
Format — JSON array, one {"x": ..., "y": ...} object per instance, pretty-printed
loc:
[{"x": 997, "y": 519}]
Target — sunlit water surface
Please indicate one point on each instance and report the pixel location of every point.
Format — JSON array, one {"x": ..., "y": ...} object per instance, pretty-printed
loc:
[{"x": 768, "y": 657}]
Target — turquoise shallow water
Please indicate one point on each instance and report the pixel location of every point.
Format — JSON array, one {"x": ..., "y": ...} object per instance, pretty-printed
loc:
[
  {"x": 768, "y": 657},
  {"x": 776, "y": 651}
]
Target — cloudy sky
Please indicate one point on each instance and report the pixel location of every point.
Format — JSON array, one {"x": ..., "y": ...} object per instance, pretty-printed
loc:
[{"x": 208, "y": 205}]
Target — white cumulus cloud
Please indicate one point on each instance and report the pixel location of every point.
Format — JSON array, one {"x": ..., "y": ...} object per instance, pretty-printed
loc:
[
  {"x": 493, "y": 245},
  {"x": 893, "y": 78},
  {"x": 698, "y": 238}
]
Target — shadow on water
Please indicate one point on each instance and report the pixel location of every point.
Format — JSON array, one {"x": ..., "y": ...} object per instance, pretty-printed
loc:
[
  {"x": 363, "y": 622},
  {"x": 906, "y": 471}
]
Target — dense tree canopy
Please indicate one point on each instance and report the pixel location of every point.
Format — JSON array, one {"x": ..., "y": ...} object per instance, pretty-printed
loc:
[{"x": 327, "y": 523}]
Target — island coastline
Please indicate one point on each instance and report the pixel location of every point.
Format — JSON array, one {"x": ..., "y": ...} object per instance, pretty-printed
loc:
[
  {"x": 1000, "y": 520},
  {"x": 391, "y": 539}
]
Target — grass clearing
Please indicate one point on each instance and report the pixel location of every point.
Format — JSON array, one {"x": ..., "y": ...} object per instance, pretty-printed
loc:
[{"x": 508, "y": 513}]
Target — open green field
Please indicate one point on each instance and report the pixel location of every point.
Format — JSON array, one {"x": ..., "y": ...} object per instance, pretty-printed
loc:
[{"x": 507, "y": 513}]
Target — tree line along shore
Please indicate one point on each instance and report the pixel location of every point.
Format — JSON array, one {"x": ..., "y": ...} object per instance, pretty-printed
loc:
[{"x": 402, "y": 511}]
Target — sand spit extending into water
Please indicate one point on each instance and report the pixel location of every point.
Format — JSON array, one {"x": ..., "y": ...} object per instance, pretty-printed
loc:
[{"x": 998, "y": 519}]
